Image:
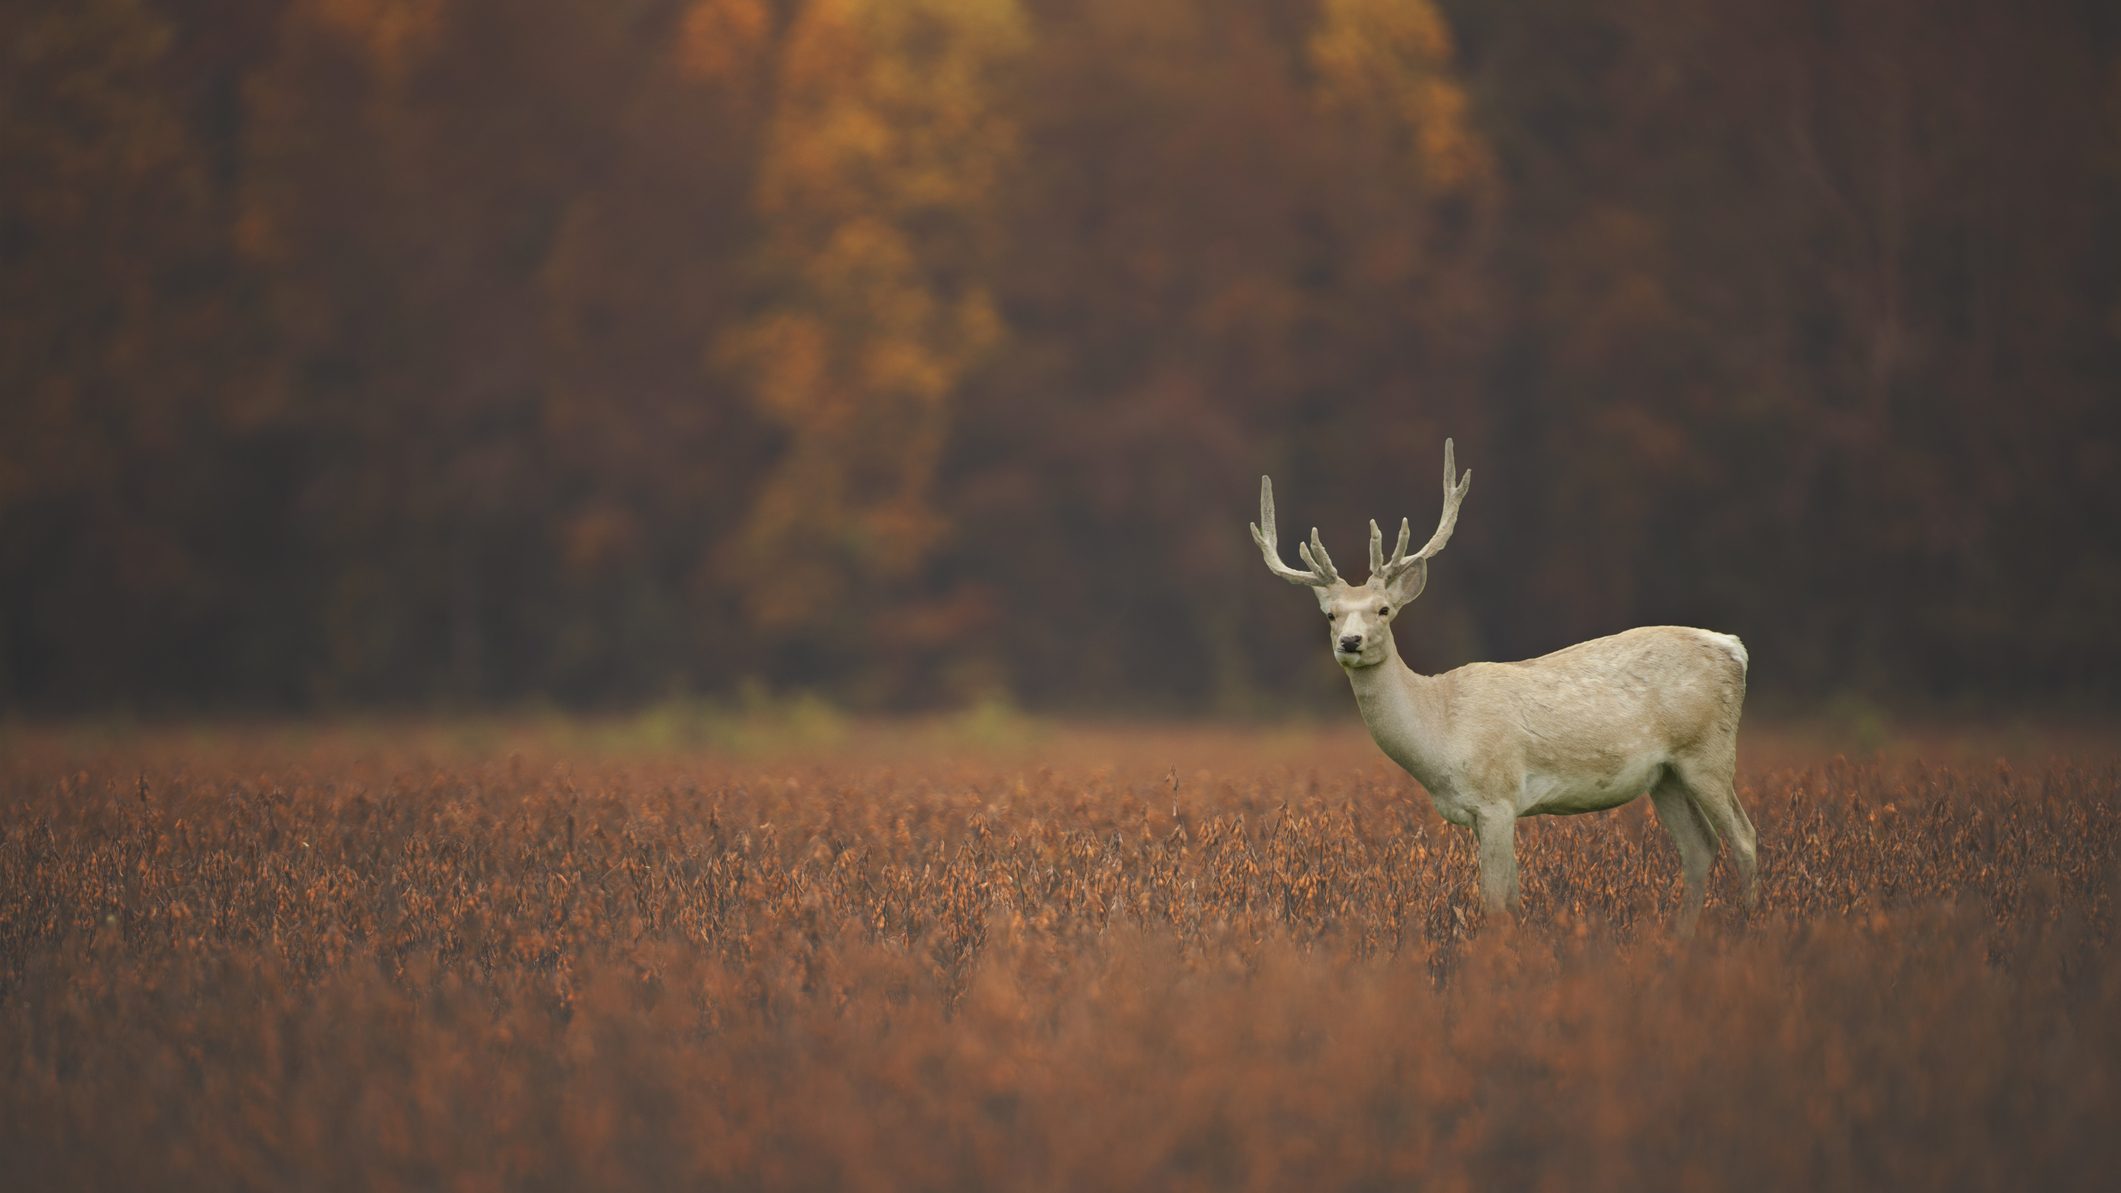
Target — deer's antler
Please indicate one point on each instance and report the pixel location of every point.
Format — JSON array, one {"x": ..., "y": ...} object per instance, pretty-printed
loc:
[
  {"x": 1313, "y": 552},
  {"x": 1454, "y": 495}
]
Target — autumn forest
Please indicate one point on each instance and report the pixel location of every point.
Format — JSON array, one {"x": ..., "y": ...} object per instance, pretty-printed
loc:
[{"x": 369, "y": 353}]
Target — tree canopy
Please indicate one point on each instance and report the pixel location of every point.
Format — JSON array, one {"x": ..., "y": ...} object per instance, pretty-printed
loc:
[{"x": 360, "y": 352}]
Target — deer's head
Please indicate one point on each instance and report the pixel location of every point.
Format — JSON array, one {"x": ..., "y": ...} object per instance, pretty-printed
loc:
[{"x": 1359, "y": 617}]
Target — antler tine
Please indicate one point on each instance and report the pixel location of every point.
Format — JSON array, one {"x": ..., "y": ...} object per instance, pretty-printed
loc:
[
  {"x": 1454, "y": 495},
  {"x": 1314, "y": 553},
  {"x": 1378, "y": 561},
  {"x": 1263, "y": 533}
]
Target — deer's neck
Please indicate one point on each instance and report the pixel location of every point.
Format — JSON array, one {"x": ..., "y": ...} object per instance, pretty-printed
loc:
[{"x": 1407, "y": 714}]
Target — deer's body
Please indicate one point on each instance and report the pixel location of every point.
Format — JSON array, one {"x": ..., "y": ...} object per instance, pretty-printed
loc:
[{"x": 1583, "y": 729}]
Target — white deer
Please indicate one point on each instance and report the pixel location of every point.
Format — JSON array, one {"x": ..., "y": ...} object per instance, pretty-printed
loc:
[{"x": 1581, "y": 730}]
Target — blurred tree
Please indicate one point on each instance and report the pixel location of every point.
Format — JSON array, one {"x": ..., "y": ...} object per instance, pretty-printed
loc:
[
  {"x": 1231, "y": 249},
  {"x": 441, "y": 268},
  {"x": 1387, "y": 67},
  {"x": 1411, "y": 202},
  {"x": 877, "y": 199},
  {"x": 650, "y": 446},
  {"x": 395, "y": 350},
  {"x": 107, "y": 425},
  {"x": 1805, "y": 320}
]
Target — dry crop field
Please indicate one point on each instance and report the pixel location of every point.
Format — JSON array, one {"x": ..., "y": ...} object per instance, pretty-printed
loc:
[{"x": 1187, "y": 960}]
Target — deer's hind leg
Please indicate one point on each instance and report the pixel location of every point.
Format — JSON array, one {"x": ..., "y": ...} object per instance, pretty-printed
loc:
[
  {"x": 1696, "y": 842},
  {"x": 1709, "y": 775}
]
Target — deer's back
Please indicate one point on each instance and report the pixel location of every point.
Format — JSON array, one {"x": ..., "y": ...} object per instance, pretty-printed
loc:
[{"x": 1598, "y": 705}]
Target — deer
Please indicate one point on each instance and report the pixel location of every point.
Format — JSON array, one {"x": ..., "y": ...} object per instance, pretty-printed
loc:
[{"x": 1585, "y": 729}]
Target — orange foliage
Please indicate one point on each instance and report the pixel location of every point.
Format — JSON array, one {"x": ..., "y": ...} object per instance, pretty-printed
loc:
[{"x": 379, "y": 352}]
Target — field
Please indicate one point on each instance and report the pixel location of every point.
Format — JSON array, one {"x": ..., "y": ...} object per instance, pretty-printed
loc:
[{"x": 927, "y": 959}]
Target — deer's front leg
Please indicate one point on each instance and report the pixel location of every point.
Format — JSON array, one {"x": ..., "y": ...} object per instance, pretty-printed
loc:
[{"x": 1495, "y": 832}]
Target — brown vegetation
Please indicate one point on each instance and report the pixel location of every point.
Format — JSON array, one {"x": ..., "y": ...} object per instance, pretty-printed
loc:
[{"x": 1110, "y": 962}]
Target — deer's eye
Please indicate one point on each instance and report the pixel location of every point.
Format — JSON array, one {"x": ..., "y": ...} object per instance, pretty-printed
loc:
[{"x": 1384, "y": 610}]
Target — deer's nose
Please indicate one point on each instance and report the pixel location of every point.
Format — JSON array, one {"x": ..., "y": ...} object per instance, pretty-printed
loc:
[{"x": 1351, "y": 643}]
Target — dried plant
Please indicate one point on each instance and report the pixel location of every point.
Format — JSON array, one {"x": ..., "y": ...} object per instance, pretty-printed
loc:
[{"x": 1191, "y": 964}]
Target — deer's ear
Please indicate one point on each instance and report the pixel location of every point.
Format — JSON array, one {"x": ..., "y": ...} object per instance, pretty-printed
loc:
[
  {"x": 1404, "y": 587},
  {"x": 1325, "y": 599}
]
